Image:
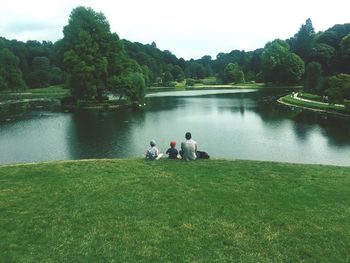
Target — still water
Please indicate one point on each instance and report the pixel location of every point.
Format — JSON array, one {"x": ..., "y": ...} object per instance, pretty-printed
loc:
[{"x": 242, "y": 124}]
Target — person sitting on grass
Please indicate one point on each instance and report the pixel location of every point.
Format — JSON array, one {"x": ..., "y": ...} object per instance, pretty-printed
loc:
[
  {"x": 188, "y": 148},
  {"x": 152, "y": 151},
  {"x": 172, "y": 152}
]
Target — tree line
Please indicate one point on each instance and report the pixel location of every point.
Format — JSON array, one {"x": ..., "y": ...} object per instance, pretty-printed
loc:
[{"x": 93, "y": 61}]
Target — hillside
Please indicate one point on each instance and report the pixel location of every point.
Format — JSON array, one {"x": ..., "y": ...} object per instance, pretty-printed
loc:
[{"x": 135, "y": 210}]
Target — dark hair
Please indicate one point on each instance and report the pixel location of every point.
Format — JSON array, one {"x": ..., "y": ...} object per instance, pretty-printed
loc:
[{"x": 188, "y": 135}]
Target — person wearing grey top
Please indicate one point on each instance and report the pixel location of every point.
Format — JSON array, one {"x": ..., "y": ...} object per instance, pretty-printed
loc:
[{"x": 188, "y": 148}]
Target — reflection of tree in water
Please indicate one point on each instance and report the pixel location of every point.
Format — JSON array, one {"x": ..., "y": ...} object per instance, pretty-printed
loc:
[
  {"x": 338, "y": 132},
  {"x": 269, "y": 110},
  {"x": 163, "y": 103},
  {"x": 336, "y": 129},
  {"x": 99, "y": 133},
  {"x": 105, "y": 134}
]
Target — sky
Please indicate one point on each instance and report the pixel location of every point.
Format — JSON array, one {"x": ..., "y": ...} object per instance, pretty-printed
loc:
[{"x": 188, "y": 28}]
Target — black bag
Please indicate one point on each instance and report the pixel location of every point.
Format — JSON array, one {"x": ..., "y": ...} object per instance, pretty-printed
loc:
[{"x": 202, "y": 155}]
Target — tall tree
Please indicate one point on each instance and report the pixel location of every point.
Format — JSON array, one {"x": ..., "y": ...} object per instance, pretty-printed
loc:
[
  {"x": 95, "y": 58},
  {"x": 178, "y": 73},
  {"x": 40, "y": 74},
  {"x": 324, "y": 54},
  {"x": 279, "y": 64},
  {"x": 233, "y": 73},
  {"x": 10, "y": 73},
  {"x": 84, "y": 58},
  {"x": 303, "y": 41},
  {"x": 345, "y": 52},
  {"x": 338, "y": 88}
]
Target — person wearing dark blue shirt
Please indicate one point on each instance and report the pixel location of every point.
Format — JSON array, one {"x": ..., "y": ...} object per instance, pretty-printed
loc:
[{"x": 172, "y": 151}]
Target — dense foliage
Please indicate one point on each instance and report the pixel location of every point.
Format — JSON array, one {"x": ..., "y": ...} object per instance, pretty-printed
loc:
[
  {"x": 37, "y": 64},
  {"x": 279, "y": 64},
  {"x": 95, "y": 60},
  {"x": 92, "y": 60}
]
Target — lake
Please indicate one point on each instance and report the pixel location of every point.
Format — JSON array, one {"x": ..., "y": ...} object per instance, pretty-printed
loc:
[{"x": 241, "y": 124}]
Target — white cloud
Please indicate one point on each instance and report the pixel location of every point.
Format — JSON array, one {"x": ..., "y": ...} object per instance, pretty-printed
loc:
[{"x": 188, "y": 28}]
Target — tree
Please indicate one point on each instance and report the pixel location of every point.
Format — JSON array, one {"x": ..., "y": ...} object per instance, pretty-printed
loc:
[
  {"x": 303, "y": 41},
  {"x": 196, "y": 70},
  {"x": 85, "y": 38},
  {"x": 10, "y": 74},
  {"x": 39, "y": 76},
  {"x": 95, "y": 58},
  {"x": 240, "y": 77},
  {"x": 178, "y": 73},
  {"x": 233, "y": 73},
  {"x": 147, "y": 74},
  {"x": 153, "y": 44},
  {"x": 328, "y": 37},
  {"x": 313, "y": 76},
  {"x": 292, "y": 69},
  {"x": 279, "y": 64},
  {"x": 168, "y": 77},
  {"x": 132, "y": 85},
  {"x": 345, "y": 51},
  {"x": 323, "y": 54},
  {"x": 338, "y": 88},
  {"x": 56, "y": 76}
]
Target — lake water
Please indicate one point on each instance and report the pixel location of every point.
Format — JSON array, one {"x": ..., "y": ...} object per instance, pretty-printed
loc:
[{"x": 241, "y": 124}]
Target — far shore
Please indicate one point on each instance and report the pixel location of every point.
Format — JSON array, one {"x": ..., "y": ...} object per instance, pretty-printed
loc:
[
  {"x": 219, "y": 86},
  {"x": 308, "y": 105}
]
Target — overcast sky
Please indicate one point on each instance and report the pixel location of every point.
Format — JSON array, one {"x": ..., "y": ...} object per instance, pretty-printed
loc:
[{"x": 188, "y": 28}]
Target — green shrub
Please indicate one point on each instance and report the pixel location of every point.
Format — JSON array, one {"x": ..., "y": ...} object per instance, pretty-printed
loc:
[{"x": 190, "y": 82}]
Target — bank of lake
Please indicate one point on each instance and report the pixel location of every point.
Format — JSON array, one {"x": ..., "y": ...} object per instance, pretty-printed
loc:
[{"x": 296, "y": 100}]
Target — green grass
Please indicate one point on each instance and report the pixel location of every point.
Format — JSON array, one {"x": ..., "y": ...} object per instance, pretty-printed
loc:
[
  {"x": 310, "y": 96},
  {"x": 230, "y": 86},
  {"x": 128, "y": 210},
  {"x": 180, "y": 84},
  {"x": 314, "y": 105},
  {"x": 207, "y": 83},
  {"x": 49, "y": 92}
]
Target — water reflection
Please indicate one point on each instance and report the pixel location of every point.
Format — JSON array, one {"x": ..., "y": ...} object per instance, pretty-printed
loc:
[
  {"x": 103, "y": 134},
  {"x": 245, "y": 124}
]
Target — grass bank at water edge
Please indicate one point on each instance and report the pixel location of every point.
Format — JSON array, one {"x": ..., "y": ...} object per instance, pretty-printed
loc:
[
  {"x": 128, "y": 210},
  {"x": 315, "y": 105}
]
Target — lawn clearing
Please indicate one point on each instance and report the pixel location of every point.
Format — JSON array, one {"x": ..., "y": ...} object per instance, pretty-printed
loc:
[{"x": 128, "y": 210}]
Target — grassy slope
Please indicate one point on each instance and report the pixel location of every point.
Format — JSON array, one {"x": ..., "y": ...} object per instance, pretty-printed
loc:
[{"x": 132, "y": 209}]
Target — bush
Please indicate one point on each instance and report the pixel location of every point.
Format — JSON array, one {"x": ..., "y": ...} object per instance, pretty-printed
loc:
[{"x": 190, "y": 82}]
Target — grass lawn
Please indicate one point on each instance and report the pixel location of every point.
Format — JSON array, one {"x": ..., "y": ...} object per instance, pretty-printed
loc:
[
  {"x": 49, "y": 92},
  {"x": 310, "y": 96},
  {"x": 314, "y": 105},
  {"x": 128, "y": 210}
]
